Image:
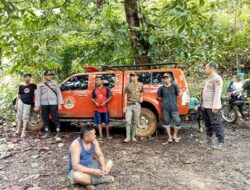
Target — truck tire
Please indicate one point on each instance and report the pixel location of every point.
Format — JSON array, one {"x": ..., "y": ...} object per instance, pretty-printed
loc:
[
  {"x": 35, "y": 122},
  {"x": 148, "y": 123}
]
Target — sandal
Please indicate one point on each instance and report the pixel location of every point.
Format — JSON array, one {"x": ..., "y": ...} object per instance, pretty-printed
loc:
[
  {"x": 177, "y": 140},
  {"x": 23, "y": 135},
  {"x": 170, "y": 140}
]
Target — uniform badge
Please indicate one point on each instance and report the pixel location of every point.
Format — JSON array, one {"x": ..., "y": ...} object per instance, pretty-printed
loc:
[{"x": 217, "y": 82}]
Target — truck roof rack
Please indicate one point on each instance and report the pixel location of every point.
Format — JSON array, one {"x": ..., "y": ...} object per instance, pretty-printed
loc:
[
  {"x": 149, "y": 66},
  {"x": 111, "y": 65}
]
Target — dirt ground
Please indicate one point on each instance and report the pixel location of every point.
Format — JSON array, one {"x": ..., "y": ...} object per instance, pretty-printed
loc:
[{"x": 148, "y": 164}]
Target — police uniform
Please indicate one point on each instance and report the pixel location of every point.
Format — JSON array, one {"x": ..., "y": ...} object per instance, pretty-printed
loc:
[
  {"x": 211, "y": 99},
  {"x": 48, "y": 97}
]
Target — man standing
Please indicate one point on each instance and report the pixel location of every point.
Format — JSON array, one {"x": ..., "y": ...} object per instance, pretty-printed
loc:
[
  {"x": 132, "y": 108},
  {"x": 211, "y": 104},
  {"x": 83, "y": 168},
  {"x": 49, "y": 98},
  {"x": 24, "y": 102},
  {"x": 101, "y": 95},
  {"x": 168, "y": 94}
]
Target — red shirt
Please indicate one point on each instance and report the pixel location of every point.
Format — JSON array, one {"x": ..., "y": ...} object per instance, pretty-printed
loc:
[{"x": 101, "y": 95}]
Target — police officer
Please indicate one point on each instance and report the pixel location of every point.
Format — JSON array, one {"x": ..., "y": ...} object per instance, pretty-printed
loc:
[
  {"x": 49, "y": 98},
  {"x": 211, "y": 103},
  {"x": 132, "y": 109}
]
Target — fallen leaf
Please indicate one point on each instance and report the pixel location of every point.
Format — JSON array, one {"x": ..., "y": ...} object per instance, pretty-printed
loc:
[
  {"x": 2, "y": 167},
  {"x": 5, "y": 155},
  {"x": 36, "y": 176},
  {"x": 27, "y": 149},
  {"x": 34, "y": 188},
  {"x": 60, "y": 145},
  {"x": 35, "y": 156},
  {"x": 37, "y": 140},
  {"x": 44, "y": 148}
]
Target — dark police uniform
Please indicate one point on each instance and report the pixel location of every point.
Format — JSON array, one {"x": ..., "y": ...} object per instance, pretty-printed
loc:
[{"x": 211, "y": 99}]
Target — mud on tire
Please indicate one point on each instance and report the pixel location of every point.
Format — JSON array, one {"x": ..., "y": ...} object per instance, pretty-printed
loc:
[{"x": 148, "y": 123}]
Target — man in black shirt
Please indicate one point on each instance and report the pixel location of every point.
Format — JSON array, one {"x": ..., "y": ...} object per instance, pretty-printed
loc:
[
  {"x": 24, "y": 102},
  {"x": 168, "y": 94}
]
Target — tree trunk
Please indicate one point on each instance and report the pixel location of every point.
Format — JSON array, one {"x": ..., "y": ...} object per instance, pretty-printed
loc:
[
  {"x": 139, "y": 46},
  {"x": 99, "y": 3}
]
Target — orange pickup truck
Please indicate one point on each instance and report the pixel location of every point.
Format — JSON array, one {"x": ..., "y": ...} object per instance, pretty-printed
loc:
[{"x": 78, "y": 107}]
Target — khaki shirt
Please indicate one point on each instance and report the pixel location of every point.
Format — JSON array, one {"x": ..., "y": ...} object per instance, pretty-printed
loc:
[
  {"x": 133, "y": 91},
  {"x": 211, "y": 96},
  {"x": 45, "y": 96}
]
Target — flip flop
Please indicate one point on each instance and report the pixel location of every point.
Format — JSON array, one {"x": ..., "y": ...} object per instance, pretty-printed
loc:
[
  {"x": 23, "y": 135},
  {"x": 177, "y": 140},
  {"x": 170, "y": 140}
]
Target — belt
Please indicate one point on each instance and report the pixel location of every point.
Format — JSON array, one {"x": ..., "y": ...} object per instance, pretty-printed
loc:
[{"x": 134, "y": 103}]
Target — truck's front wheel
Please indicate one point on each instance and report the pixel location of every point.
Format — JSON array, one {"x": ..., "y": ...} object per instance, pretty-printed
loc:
[{"x": 148, "y": 123}]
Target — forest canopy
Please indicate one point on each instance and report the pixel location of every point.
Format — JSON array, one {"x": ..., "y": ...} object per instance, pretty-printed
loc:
[{"x": 65, "y": 35}]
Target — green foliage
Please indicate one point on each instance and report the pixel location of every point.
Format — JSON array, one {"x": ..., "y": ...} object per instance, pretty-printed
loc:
[{"x": 65, "y": 35}]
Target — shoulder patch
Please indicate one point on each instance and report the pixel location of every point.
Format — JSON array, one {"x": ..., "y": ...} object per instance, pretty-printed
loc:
[{"x": 217, "y": 82}]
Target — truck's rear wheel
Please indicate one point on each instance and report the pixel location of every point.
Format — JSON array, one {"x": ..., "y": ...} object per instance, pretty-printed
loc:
[
  {"x": 35, "y": 123},
  {"x": 148, "y": 123}
]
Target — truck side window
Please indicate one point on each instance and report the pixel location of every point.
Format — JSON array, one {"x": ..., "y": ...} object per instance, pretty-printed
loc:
[
  {"x": 76, "y": 83},
  {"x": 145, "y": 77},
  {"x": 108, "y": 79}
]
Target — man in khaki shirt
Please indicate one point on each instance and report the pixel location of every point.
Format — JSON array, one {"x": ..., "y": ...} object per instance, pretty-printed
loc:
[
  {"x": 211, "y": 103},
  {"x": 132, "y": 106}
]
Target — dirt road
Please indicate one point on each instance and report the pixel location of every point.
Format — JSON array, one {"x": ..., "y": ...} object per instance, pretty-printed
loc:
[{"x": 146, "y": 165}]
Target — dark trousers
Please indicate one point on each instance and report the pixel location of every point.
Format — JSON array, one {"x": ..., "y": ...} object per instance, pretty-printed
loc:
[
  {"x": 213, "y": 123},
  {"x": 53, "y": 111}
]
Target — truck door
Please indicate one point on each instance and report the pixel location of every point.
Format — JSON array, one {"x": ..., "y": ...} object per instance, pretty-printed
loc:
[{"x": 77, "y": 97}]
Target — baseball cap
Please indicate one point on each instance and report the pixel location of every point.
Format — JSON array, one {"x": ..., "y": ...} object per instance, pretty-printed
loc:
[
  {"x": 133, "y": 74},
  {"x": 166, "y": 75},
  {"x": 47, "y": 72}
]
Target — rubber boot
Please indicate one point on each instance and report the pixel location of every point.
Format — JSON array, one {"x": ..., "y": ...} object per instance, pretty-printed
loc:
[
  {"x": 127, "y": 134},
  {"x": 134, "y": 133},
  {"x": 47, "y": 133},
  {"x": 58, "y": 135}
]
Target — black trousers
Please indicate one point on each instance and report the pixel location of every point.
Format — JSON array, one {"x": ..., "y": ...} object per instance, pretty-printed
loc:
[
  {"x": 53, "y": 111},
  {"x": 213, "y": 123}
]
